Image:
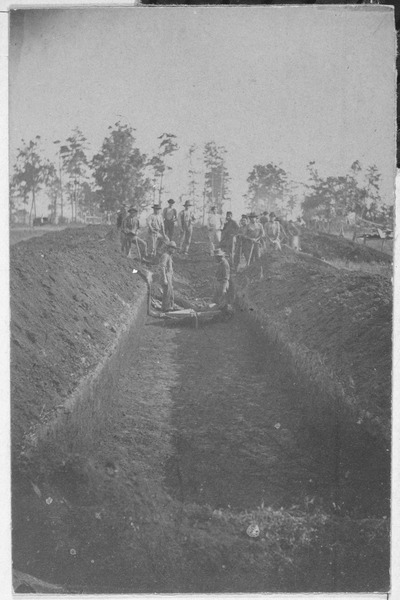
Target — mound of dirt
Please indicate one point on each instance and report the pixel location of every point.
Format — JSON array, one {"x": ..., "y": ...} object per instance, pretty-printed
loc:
[
  {"x": 70, "y": 293},
  {"x": 336, "y": 324},
  {"x": 333, "y": 247}
]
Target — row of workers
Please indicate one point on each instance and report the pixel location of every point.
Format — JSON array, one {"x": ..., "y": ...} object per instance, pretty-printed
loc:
[
  {"x": 161, "y": 227},
  {"x": 251, "y": 235},
  {"x": 248, "y": 236}
]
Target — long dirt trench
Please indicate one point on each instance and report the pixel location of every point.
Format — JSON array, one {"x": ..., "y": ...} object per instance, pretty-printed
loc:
[{"x": 204, "y": 435}]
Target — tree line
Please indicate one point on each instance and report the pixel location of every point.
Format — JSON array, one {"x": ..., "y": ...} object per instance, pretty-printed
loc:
[
  {"x": 270, "y": 188},
  {"x": 120, "y": 173}
]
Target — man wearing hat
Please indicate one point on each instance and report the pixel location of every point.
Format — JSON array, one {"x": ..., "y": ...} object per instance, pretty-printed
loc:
[
  {"x": 130, "y": 228},
  {"x": 214, "y": 227},
  {"x": 222, "y": 275},
  {"x": 167, "y": 274},
  {"x": 274, "y": 231},
  {"x": 244, "y": 219},
  {"x": 253, "y": 234},
  {"x": 228, "y": 235},
  {"x": 170, "y": 217},
  {"x": 155, "y": 223},
  {"x": 186, "y": 219},
  {"x": 238, "y": 253}
]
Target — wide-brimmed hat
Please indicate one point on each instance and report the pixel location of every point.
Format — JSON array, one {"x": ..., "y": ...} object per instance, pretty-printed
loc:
[
  {"x": 187, "y": 203},
  {"x": 132, "y": 209},
  {"x": 219, "y": 252},
  {"x": 156, "y": 206},
  {"x": 171, "y": 201},
  {"x": 252, "y": 216},
  {"x": 170, "y": 244}
]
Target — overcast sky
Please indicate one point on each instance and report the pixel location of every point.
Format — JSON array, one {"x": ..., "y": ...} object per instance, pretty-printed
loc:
[{"x": 283, "y": 84}]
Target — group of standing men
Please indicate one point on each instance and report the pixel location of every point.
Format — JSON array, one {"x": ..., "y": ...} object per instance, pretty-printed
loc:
[
  {"x": 161, "y": 227},
  {"x": 250, "y": 236},
  {"x": 229, "y": 241}
]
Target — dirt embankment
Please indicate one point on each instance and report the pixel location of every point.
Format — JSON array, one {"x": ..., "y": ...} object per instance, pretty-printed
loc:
[
  {"x": 71, "y": 293},
  {"x": 328, "y": 246},
  {"x": 334, "y": 328},
  {"x": 96, "y": 514}
]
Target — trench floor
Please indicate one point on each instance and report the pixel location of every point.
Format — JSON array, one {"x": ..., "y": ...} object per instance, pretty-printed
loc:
[
  {"x": 241, "y": 438},
  {"x": 206, "y": 416}
]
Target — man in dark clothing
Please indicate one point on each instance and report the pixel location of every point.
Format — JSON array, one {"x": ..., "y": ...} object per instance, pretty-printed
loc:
[
  {"x": 170, "y": 217},
  {"x": 228, "y": 235}
]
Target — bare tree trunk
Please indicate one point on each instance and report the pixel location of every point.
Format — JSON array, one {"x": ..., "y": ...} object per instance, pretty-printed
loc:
[
  {"x": 222, "y": 184},
  {"x": 75, "y": 199},
  {"x": 30, "y": 214},
  {"x": 160, "y": 188},
  {"x": 33, "y": 208}
]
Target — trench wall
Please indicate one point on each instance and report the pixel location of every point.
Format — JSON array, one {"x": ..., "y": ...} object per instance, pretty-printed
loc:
[
  {"x": 325, "y": 398},
  {"x": 92, "y": 402}
]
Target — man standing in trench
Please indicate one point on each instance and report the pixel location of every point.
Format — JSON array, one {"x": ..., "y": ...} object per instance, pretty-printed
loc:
[
  {"x": 167, "y": 273},
  {"x": 222, "y": 275}
]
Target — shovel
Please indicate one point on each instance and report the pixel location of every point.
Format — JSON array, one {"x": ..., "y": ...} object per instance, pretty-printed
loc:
[
  {"x": 251, "y": 254},
  {"x": 138, "y": 251},
  {"x": 242, "y": 260}
]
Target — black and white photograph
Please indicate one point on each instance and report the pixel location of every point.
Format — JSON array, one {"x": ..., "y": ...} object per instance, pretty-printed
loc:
[{"x": 201, "y": 245}]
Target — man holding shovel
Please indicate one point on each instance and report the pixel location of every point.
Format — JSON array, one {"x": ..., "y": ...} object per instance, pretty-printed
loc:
[
  {"x": 253, "y": 235},
  {"x": 167, "y": 274},
  {"x": 130, "y": 227}
]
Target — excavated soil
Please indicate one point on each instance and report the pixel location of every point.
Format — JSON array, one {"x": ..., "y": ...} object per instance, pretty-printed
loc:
[
  {"x": 201, "y": 433},
  {"x": 329, "y": 246}
]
